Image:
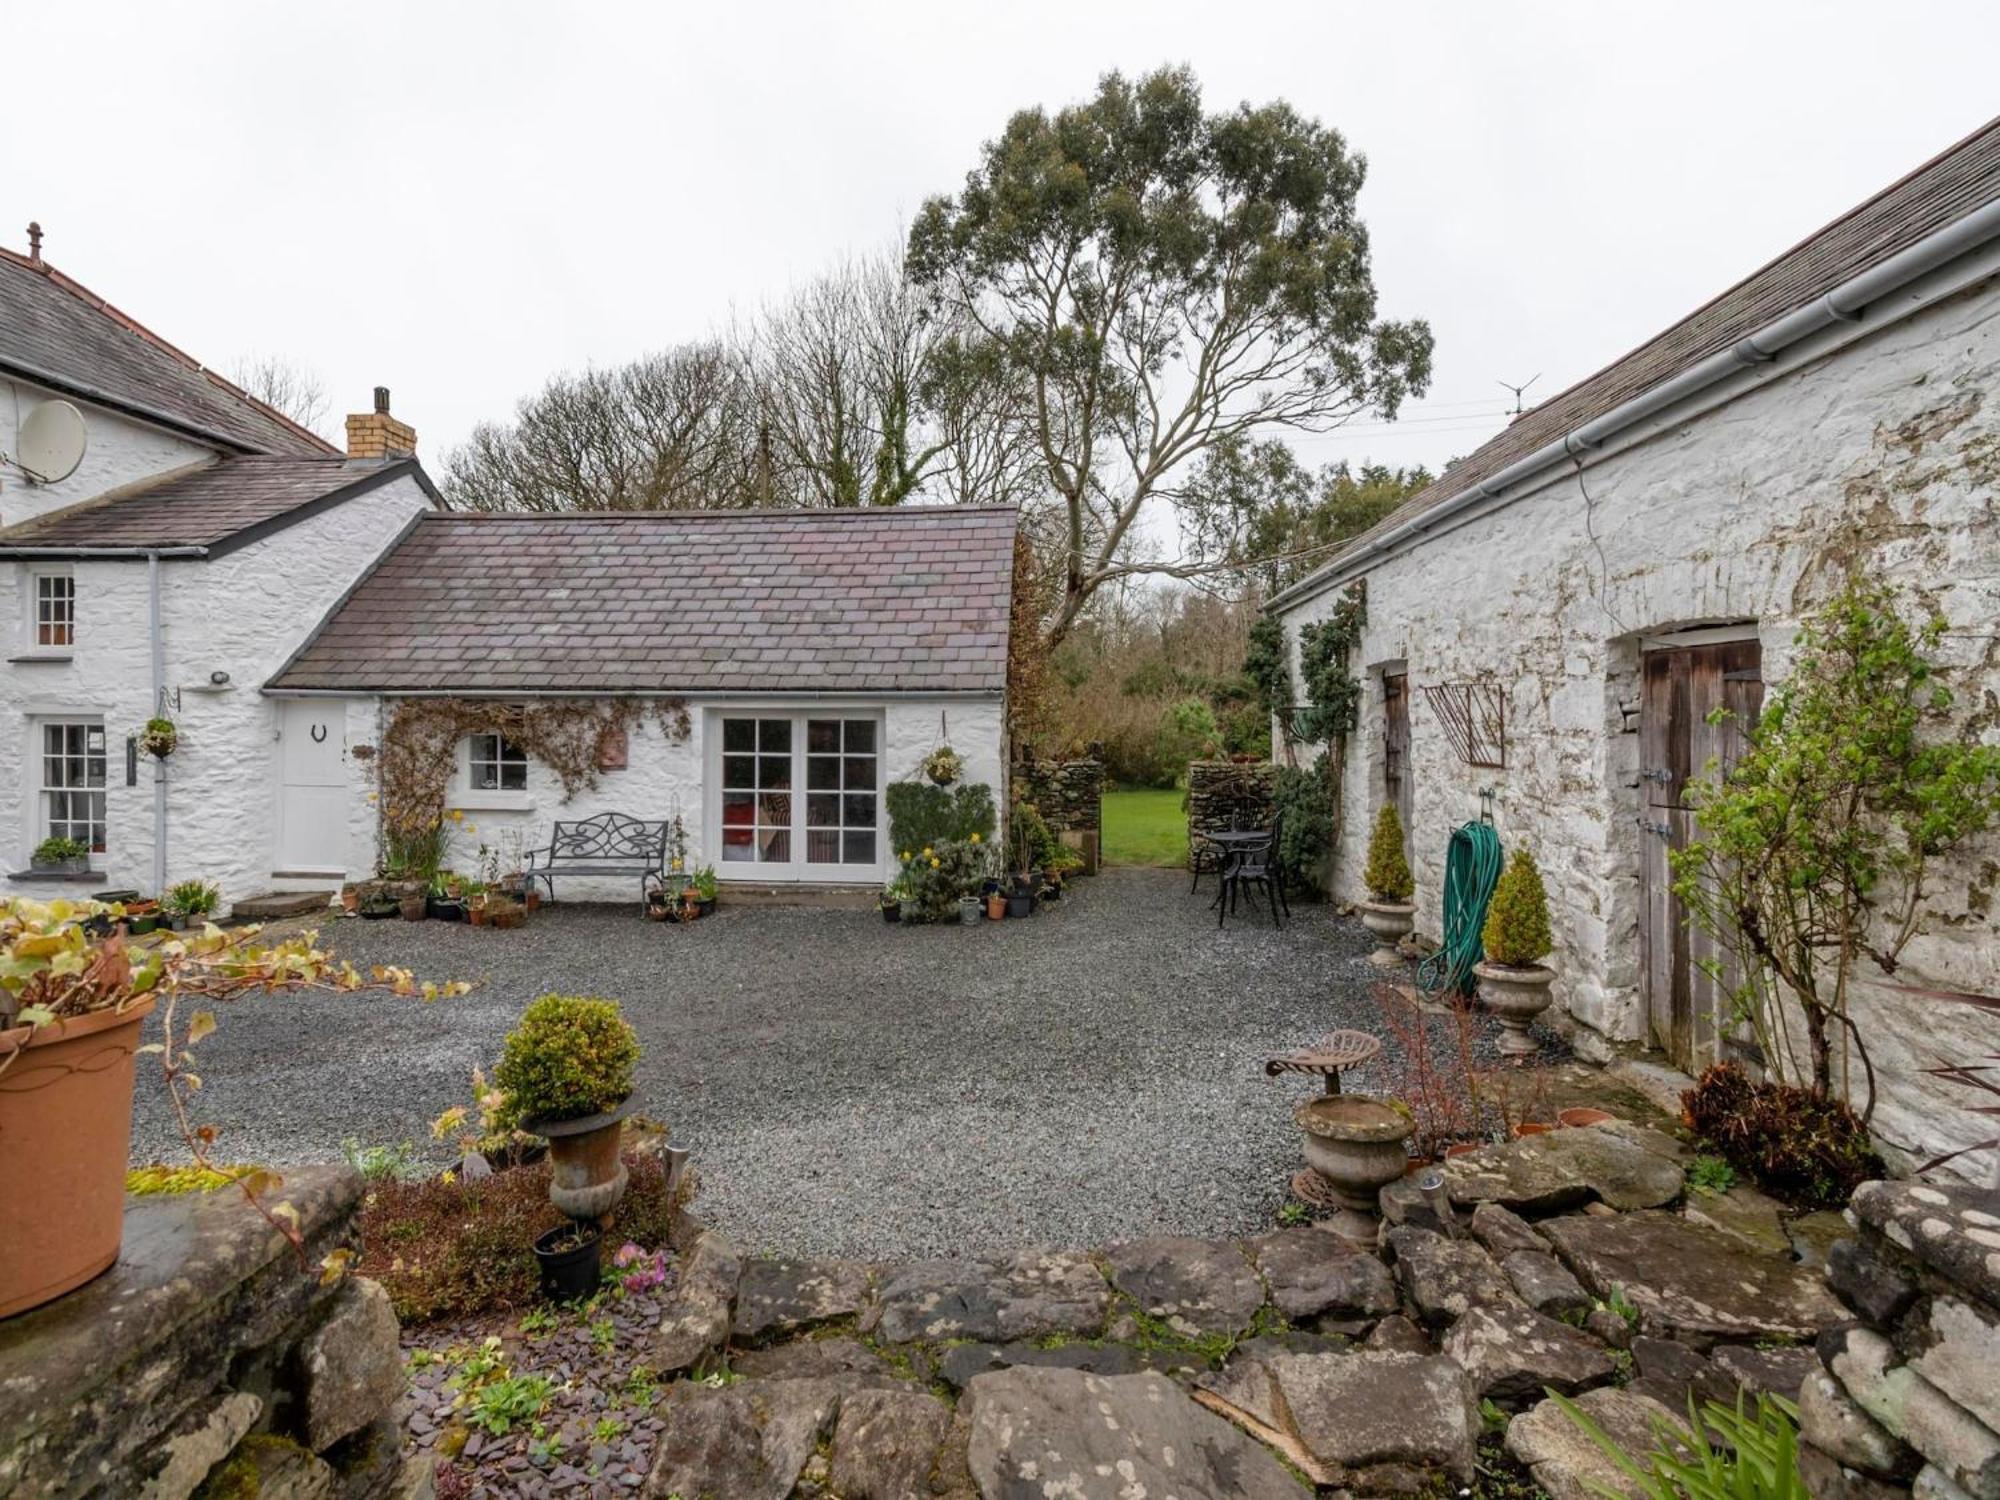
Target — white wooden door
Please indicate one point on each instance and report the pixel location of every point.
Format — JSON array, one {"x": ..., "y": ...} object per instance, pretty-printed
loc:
[{"x": 313, "y": 792}]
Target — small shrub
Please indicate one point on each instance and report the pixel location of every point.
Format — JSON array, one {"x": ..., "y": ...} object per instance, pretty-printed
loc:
[
  {"x": 1303, "y": 805},
  {"x": 377, "y": 1162},
  {"x": 1387, "y": 873},
  {"x": 1517, "y": 923},
  {"x": 459, "y": 1248},
  {"x": 1796, "y": 1144},
  {"x": 192, "y": 898},
  {"x": 935, "y": 877},
  {"x": 570, "y": 1056},
  {"x": 1029, "y": 841},
  {"x": 53, "y": 851},
  {"x": 921, "y": 814}
]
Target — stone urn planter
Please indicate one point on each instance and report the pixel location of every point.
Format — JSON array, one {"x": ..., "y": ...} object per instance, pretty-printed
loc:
[
  {"x": 1356, "y": 1144},
  {"x": 1515, "y": 995},
  {"x": 1391, "y": 922},
  {"x": 66, "y": 1121},
  {"x": 588, "y": 1174}
]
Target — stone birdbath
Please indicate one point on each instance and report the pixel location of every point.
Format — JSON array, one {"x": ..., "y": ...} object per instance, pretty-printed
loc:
[{"x": 1356, "y": 1144}]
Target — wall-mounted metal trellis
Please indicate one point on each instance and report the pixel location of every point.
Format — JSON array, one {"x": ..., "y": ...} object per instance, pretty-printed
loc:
[{"x": 1474, "y": 717}]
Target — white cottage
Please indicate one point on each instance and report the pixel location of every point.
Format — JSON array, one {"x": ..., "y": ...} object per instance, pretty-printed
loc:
[
  {"x": 170, "y": 547},
  {"x": 1548, "y": 623}
]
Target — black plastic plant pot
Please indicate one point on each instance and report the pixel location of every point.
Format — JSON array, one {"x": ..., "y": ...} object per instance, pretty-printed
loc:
[
  {"x": 1020, "y": 904},
  {"x": 892, "y": 911},
  {"x": 569, "y": 1273},
  {"x": 444, "y": 909}
]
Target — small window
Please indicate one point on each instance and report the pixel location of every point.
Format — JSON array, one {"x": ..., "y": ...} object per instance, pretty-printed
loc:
[
  {"x": 73, "y": 783},
  {"x": 496, "y": 765},
  {"x": 55, "y": 610}
]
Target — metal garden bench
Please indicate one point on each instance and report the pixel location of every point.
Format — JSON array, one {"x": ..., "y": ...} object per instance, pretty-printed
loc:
[{"x": 608, "y": 844}]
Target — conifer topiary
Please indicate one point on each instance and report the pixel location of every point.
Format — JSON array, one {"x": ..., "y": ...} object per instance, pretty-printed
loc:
[
  {"x": 1387, "y": 873},
  {"x": 1517, "y": 923}
]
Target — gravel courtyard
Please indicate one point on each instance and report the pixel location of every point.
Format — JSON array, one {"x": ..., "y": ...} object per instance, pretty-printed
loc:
[{"x": 850, "y": 1088}]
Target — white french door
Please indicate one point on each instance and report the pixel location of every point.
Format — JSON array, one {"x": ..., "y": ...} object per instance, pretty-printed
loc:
[{"x": 800, "y": 796}]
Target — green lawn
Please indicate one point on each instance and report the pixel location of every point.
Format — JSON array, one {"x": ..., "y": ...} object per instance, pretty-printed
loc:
[{"x": 1144, "y": 827}]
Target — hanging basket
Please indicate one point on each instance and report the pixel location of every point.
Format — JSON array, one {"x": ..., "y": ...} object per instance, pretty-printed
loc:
[
  {"x": 943, "y": 766},
  {"x": 159, "y": 738}
]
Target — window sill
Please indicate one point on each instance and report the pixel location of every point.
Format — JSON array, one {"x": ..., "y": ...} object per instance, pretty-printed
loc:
[
  {"x": 494, "y": 802},
  {"x": 42, "y": 656},
  {"x": 57, "y": 877}
]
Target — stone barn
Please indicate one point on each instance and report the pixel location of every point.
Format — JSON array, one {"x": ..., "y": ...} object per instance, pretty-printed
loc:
[{"x": 1549, "y": 623}]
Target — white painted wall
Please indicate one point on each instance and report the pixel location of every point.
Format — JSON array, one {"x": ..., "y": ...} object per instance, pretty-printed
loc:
[
  {"x": 663, "y": 777},
  {"x": 243, "y": 613},
  {"x": 1888, "y": 451},
  {"x": 120, "y": 452}
]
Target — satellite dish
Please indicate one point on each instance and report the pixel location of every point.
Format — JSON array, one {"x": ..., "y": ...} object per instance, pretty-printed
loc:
[{"x": 51, "y": 441}]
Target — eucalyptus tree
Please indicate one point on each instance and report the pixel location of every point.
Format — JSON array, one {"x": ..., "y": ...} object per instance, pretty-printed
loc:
[{"x": 1161, "y": 280}]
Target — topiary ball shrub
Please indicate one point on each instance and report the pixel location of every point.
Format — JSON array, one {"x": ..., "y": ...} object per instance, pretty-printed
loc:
[
  {"x": 1809, "y": 1149},
  {"x": 1517, "y": 922},
  {"x": 570, "y": 1056},
  {"x": 1387, "y": 873}
]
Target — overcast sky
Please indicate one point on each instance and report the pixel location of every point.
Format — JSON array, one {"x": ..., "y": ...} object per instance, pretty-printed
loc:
[{"x": 458, "y": 200}]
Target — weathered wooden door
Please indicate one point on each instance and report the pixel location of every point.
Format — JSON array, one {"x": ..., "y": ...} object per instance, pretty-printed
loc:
[
  {"x": 1682, "y": 687},
  {"x": 1396, "y": 776}
]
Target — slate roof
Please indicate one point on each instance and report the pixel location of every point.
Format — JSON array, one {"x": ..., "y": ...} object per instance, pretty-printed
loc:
[
  {"x": 217, "y": 507},
  {"x": 911, "y": 599},
  {"x": 1957, "y": 182},
  {"x": 59, "y": 333}
]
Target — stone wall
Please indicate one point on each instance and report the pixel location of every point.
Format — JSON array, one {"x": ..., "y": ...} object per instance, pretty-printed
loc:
[
  {"x": 1883, "y": 453},
  {"x": 1069, "y": 794},
  {"x": 1908, "y": 1399},
  {"x": 1224, "y": 794},
  {"x": 211, "y": 1350}
]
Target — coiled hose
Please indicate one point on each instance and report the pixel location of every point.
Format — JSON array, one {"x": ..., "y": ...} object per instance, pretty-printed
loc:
[{"x": 1471, "y": 870}]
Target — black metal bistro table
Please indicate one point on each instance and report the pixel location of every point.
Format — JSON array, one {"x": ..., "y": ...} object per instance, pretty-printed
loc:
[{"x": 1233, "y": 842}]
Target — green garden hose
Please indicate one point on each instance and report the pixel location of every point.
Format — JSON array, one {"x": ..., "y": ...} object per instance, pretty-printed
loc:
[{"x": 1471, "y": 870}]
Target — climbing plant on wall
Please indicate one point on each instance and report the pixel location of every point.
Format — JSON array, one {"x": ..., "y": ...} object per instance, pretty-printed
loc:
[
  {"x": 569, "y": 735},
  {"x": 1332, "y": 706}
]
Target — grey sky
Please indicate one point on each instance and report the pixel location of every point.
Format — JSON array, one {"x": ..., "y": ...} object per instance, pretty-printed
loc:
[{"x": 457, "y": 200}]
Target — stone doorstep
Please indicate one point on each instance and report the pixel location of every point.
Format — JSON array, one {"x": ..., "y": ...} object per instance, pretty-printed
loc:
[
  {"x": 269, "y": 906},
  {"x": 830, "y": 897}
]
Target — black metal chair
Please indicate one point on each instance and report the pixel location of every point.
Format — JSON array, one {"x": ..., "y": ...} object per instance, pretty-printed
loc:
[
  {"x": 1207, "y": 859},
  {"x": 1254, "y": 866}
]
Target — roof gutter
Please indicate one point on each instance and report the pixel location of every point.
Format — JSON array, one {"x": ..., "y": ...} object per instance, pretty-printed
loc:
[
  {"x": 29, "y": 550},
  {"x": 1846, "y": 303},
  {"x": 97, "y": 397}
]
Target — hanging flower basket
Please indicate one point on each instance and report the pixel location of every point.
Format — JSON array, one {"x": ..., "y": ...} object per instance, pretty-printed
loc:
[
  {"x": 159, "y": 738},
  {"x": 943, "y": 766}
]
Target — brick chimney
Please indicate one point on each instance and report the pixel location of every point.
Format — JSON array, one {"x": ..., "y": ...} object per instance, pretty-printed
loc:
[{"x": 376, "y": 434}]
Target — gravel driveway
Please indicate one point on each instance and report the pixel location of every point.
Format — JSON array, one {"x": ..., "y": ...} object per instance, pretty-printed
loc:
[{"x": 850, "y": 1088}]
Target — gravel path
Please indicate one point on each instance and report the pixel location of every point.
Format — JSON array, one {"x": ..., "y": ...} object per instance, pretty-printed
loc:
[{"x": 851, "y": 1088}]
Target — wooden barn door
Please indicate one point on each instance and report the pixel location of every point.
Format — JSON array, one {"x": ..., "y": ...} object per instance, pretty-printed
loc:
[
  {"x": 1682, "y": 686},
  {"x": 1396, "y": 777}
]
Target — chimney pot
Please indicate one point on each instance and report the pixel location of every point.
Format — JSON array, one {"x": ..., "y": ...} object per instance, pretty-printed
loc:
[
  {"x": 35, "y": 242},
  {"x": 382, "y": 398}
]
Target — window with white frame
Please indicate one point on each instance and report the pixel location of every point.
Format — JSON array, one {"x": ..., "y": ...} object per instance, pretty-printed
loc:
[
  {"x": 55, "y": 610},
  {"x": 73, "y": 783},
  {"x": 495, "y": 765}
]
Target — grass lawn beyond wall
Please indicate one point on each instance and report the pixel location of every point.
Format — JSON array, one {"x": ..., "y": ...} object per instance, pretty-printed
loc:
[{"x": 1145, "y": 827}]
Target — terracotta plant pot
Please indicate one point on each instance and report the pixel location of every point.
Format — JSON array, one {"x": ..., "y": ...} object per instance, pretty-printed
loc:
[
  {"x": 412, "y": 908},
  {"x": 1515, "y": 996},
  {"x": 533, "y": 900},
  {"x": 1462, "y": 1148},
  {"x": 996, "y": 906},
  {"x": 1532, "y": 1127},
  {"x": 587, "y": 1174},
  {"x": 1580, "y": 1115},
  {"x": 1391, "y": 922},
  {"x": 350, "y": 899},
  {"x": 66, "y": 1120}
]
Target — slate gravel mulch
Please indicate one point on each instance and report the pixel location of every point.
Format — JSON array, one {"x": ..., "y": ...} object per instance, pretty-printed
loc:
[{"x": 851, "y": 1088}]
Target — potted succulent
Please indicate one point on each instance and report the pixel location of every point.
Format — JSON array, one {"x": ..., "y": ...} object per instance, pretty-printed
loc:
[
  {"x": 943, "y": 766},
  {"x": 1388, "y": 912},
  {"x": 190, "y": 901},
  {"x": 1513, "y": 981},
  {"x": 61, "y": 857},
  {"x": 71, "y": 1003},
  {"x": 160, "y": 738},
  {"x": 566, "y": 1072}
]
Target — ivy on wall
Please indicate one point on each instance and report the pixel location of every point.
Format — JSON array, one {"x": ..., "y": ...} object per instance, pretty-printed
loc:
[
  {"x": 568, "y": 735},
  {"x": 1332, "y": 710}
]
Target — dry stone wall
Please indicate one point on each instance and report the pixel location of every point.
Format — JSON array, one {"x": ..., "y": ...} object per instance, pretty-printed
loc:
[
  {"x": 211, "y": 1353},
  {"x": 1224, "y": 794}
]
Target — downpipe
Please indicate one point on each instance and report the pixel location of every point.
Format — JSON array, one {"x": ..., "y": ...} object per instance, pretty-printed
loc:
[{"x": 159, "y": 652}]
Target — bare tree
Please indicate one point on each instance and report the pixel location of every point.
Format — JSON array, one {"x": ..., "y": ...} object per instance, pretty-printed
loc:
[
  {"x": 673, "y": 431},
  {"x": 285, "y": 386}
]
